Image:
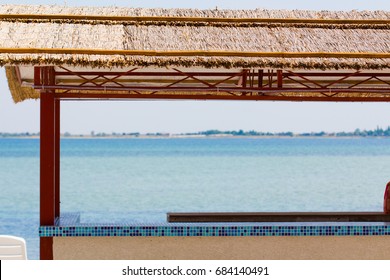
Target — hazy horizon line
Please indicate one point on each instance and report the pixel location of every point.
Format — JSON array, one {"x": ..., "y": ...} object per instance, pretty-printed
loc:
[{"x": 208, "y": 131}]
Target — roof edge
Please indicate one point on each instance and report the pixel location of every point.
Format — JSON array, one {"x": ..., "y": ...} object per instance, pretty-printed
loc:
[
  {"x": 195, "y": 53},
  {"x": 189, "y": 19},
  {"x": 18, "y": 92}
]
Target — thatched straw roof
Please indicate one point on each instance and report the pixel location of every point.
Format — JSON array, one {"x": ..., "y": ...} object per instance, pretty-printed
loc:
[
  {"x": 101, "y": 37},
  {"x": 218, "y": 39}
]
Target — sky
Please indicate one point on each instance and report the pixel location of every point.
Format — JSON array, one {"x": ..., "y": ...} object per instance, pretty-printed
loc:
[{"x": 191, "y": 116}]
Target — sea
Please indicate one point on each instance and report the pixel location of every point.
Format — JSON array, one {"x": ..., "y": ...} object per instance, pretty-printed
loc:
[{"x": 139, "y": 180}]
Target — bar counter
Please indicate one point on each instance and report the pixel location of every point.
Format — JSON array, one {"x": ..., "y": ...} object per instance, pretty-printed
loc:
[{"x": 333, "y": 240}]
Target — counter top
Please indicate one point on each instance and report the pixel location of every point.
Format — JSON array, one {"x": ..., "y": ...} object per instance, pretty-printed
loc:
[{"x": 68, "y": 225}]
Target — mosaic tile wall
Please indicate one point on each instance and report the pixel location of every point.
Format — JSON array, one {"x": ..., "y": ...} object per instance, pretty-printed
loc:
[{"x": 69, "y": 226}]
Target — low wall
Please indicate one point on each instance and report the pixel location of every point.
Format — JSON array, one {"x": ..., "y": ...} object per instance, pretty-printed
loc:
[
  {"x": 218, "y": 247},
  {"x": 168, "y": 241}
]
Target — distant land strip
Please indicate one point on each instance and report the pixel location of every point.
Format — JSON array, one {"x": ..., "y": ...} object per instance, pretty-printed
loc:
[{"x": 378, "y": 132}]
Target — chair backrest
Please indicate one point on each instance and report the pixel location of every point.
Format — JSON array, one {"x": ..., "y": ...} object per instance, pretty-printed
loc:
[
  {"x": 386, "y": 204},
  {"x": 12, "y": 248}
]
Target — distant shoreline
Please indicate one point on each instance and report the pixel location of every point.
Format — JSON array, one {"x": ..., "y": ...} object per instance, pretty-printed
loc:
[
  {"x": 88, "y": 137},
  {"x": 214, "y": 133}
]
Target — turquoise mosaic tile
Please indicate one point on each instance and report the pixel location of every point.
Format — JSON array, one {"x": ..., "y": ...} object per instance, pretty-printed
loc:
[{"x": 69, "y": 225}]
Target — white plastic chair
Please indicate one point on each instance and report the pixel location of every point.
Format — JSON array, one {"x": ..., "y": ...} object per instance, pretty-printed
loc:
[{"x": 12, "y": 248}]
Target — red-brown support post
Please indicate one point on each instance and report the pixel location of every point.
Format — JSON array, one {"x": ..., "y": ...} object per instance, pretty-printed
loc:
[
  {"x": 57, "y": 157},
  {"x": 244, "y": 77},
  {"x": 244, "y": 80},
  {"x": 57, "y": 145},
  {"x": 280, "y": 78},
  {"x": 260, "y": 78},
  {"x": 44, "y": 76}
]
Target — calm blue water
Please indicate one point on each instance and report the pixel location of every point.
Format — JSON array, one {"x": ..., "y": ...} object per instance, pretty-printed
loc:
[{"x": 138, "y": 180}]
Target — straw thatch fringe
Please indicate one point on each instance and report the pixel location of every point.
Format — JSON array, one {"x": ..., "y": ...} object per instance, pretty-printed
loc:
[
  {"x": 194, "y": 53},
  {"x": 95, "y": 61},
  {"x": 177, "y": 18},
  {"x": 18, "y": 92},
  {"x": 199, "y": 22}
]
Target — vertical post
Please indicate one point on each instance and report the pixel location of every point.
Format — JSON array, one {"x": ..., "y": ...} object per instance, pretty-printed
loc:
[
  {"x": 45, "y": 76},
  {"x": 57, "y": 135},
  {"x": 270, "y": 78},
  {"x": 251, "y": 77},
  {"x": 280, "y": 78},
  {"x": 57, "y": 157},
  {"x": 244, "y": 79},
  {"x": 260, "y": 78}
]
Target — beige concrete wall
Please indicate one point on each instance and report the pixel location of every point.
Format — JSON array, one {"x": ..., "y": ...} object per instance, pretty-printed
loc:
[{"x": 213, "y": 248}]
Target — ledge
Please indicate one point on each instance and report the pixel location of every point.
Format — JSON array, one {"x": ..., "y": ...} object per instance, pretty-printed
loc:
[
  {"x": 266, "y": 217},
  {"x": 69, "y": 226}
]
